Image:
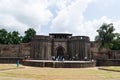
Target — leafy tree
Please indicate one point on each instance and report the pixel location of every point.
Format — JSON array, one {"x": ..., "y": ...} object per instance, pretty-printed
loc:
[
  {"x": 29, "y": 35},
  {"x": 9, "y": 38},
  {"x": 16, "y": 38},
  {"x": 105, "y": 35},
  {"x": 13, "y": 38},
  {"x": 3, "y": 36},
  {"x": 116, "y": 42}
]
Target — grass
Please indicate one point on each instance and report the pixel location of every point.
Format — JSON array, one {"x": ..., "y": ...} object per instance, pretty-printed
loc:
[
  {"x": 36, "y": 73},
  {"x": 117, "y": 68},
  {"x": 8, "y": 66}
]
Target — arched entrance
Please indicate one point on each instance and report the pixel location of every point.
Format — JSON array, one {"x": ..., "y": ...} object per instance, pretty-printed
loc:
[{"x": 60, "y": 51}]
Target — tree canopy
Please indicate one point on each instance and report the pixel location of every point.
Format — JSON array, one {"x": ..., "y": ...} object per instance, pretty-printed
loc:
[
  {"x": 29, "y": 34},
  {"x": 15, "y": 37},
  {"x": 105, "y": 35},
  {"x": 107, "y": 38},
  {"x": 3, "y": 36},
  {"x": 116, "y": 42}
]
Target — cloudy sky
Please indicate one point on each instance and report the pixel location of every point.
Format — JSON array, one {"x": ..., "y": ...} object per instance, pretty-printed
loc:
[{"x": 79, "y": 17}]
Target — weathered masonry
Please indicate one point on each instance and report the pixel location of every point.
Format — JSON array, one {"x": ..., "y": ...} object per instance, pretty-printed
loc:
[{"x": 60, "y": 45}]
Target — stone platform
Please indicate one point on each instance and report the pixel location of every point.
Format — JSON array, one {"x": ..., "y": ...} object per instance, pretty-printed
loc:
[{"x": 59, "y": 64}]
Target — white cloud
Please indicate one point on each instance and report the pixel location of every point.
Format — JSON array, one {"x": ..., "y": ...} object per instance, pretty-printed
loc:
[
  {"x": 52, "y": 16},
  {"x": 25, "y": 12},
  {"x": 9, "y": 22},
  {"x": 70, "y": 17},
  {"x": 90, "y": 27}
]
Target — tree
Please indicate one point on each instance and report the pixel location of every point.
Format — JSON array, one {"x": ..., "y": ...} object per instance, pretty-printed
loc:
[
  {"x": 116, "y": 42},
  {"x": 3, "y": 36},
  {"x": 29, "y": 34},
  {"x": 16, "y": 38},
  {"x": 9, "y": 38},
  {"x": 105, "y": 35},
  {"x": 13, "y": 38}
]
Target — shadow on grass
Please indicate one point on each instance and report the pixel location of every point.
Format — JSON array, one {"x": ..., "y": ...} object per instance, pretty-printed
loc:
[{"x": 109, "y": 70}]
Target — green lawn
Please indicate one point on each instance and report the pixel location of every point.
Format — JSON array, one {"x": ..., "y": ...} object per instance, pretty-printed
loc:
[{"x": 11, "y": 72}]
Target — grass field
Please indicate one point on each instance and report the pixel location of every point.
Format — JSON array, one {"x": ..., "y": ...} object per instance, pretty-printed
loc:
[
  {"x": 112, "y": 68},
  {"x": 11, "y": 72}
]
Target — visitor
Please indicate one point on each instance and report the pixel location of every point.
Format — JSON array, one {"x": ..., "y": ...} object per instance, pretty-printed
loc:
[
  {"x": 63, "y": 59},
  {"x": 26, "y": 57},
  {"x": 85, "y": 58},
  {"x": 23, "y": 60},
  {"x": 92, "y": 60},
  {"x": 18, "y": 63},
  {"x": 53, "y": 58}
]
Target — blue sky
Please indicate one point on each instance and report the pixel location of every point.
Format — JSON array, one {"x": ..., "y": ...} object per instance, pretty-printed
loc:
[
  {"x": 109, "y": 8},
  {"x": 79, "y": 17}
]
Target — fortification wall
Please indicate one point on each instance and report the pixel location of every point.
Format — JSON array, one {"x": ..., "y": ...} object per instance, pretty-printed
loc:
[
  {"x": 103, "y": 53},
  {"x": 25, "y": 49},
  {"x": 41, "y": 47},
  {"x": 10, "y": 50},
  {"x": 79, "y": 47}
]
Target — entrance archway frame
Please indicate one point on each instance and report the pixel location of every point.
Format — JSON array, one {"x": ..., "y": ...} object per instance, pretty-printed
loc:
[{"x": 58, "y": 52}]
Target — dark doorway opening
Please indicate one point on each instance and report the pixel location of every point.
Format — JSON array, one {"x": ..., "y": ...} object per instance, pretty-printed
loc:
[{"x": 60, "y": 51}]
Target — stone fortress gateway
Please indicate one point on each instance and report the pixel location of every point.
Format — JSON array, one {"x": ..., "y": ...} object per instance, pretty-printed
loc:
[{"x": 60, "y": 45}]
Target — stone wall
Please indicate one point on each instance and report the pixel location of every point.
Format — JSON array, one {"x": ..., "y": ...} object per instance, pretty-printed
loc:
[
  {"x": 25, "y": 49},
  {"x": 15, "y": 50},
  {"x": 9, "y": 50},
  {"x": 79, "y": 47},
  {"x": 103, "y": 53},
  {"x": 60, "y": 43},
  {"x": 41, "y": 47},
  {"x": 114, "y": 54},
  {"x": 11, "y": 60},
  {"x": 59, "y": 64},
  {"x": 108, "y": 62}
]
